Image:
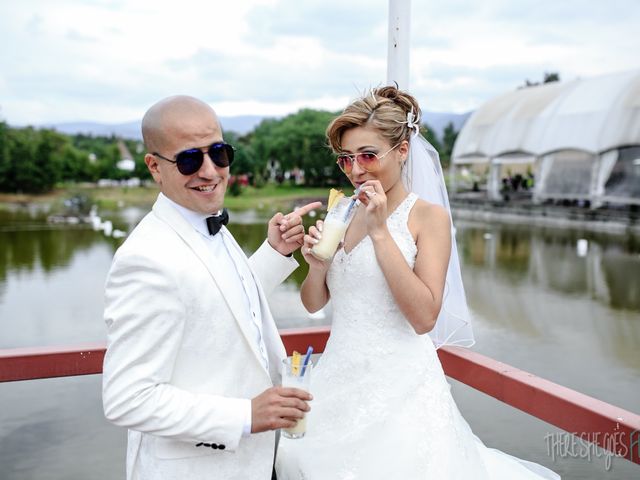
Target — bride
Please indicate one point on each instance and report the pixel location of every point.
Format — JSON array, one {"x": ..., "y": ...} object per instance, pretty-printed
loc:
[{"x": 382, "y": 407}]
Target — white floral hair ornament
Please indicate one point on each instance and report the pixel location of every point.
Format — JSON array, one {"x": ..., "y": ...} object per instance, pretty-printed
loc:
[{"x": 413, "y": 123}]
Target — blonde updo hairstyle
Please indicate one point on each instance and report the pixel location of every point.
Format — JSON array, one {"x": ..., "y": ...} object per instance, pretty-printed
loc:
[{"x": 385, "y": 109}]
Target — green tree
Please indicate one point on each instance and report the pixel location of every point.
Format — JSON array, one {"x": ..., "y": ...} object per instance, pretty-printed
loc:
[
  {"x": 24, "y": 162},
  {"x": 137, "y": 150},
  {"x": 431, "y": 136},
  {"x": 449, "y": 137},
  {"x": 31, "y": 162},
  {"x": 5, "y": 159},
  {"x": 76, "y": 165},
  {"x": 244, "y": 159},
  {"x": 109, "y": 163},
  {"x": 50, "y": 152},
  {"x": 298, "y": 140},
  {"x": 106, "y": 154},
  {"x": 261, "y": 144},
  {"x": 547, "y": 77},
  {"x": 551, "y": 77}
]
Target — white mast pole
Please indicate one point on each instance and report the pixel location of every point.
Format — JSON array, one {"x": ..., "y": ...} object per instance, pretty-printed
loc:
[{"x": 398, "y": 49}]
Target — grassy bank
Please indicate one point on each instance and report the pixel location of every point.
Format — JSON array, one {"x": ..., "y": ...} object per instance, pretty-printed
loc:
[{"x": 270, "y": 197}]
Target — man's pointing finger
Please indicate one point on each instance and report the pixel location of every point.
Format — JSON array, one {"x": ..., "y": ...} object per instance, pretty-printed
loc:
[{"x": 307, "y": 208}]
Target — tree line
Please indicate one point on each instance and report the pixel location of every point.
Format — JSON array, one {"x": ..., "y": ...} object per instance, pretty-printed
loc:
[{"x": 35, "y": 160}]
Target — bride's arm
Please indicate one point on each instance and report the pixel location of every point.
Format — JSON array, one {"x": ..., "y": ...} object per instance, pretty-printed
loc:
[
  {"x": 314, "y": 292},
  {"x": 418, "y": 292}
]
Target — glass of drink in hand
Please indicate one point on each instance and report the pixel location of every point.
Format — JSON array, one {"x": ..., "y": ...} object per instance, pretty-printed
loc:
[
  {"x": 334, "y": 227},
  {"x": 296, "y": 376}
]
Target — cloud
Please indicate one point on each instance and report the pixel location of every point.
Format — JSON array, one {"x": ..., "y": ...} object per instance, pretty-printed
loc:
[
  {"x": 278, "y": 72},
  {"x": 494, "y": 48},
  {"x": 109, "y": 60},
  {"x": 358, "y": 26},
  {"x": 75, "y": 36},
  {"x": 34, "y": 25}
]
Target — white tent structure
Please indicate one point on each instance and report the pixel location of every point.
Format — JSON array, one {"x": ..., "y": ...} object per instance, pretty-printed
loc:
[{"x": 582, "y": 139}]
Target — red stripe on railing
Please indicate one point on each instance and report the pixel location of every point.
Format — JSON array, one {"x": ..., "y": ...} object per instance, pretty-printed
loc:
[
  {"x": 612, "y": 428},
  {"x": 50, "y": 362},
  {"x": 86, "y": 359},
  {"x": 300, "y": 339}
]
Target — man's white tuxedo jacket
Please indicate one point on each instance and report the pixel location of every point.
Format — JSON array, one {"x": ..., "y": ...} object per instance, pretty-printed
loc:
[{"x": 180, "y": 357}]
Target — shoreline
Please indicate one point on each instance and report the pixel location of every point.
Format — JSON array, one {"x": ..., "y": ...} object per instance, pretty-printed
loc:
[
  {"x": 279, "y": 196},
  {"x": 617, "y": 222},
  {"x": 611, "y": 222}
]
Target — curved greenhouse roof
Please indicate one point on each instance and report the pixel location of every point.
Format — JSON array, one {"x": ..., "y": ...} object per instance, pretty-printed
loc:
[{"x": 593, "y": 115}]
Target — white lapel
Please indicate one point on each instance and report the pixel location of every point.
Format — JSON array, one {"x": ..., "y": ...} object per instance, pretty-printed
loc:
[
  {"x": 270, "y": 335},
  {"x": 198, "y": 245}
]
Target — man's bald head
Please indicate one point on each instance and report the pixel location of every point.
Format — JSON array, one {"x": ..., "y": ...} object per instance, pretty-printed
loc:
[{"x": 163, "y": 116}]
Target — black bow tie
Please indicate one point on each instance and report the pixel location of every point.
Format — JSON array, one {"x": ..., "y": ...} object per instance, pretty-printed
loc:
[{"x": 214, "y": 223}]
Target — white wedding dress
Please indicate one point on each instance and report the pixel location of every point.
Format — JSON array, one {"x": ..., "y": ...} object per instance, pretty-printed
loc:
[{"x": 382, "y": 408}]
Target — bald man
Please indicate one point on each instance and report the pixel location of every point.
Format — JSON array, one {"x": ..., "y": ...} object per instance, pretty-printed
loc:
[{"x": 193, "y": 353}]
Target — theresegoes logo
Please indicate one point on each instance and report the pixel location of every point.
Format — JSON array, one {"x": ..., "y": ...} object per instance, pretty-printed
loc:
[{"x": 589, "y": 445}]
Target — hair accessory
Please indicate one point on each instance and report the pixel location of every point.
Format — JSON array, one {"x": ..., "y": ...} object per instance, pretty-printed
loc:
[{"x": 413, "y": 123}]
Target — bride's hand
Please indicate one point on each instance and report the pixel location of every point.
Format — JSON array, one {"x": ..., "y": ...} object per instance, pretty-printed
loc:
[
  {"x": 310, "y": 239},
  {"x": 373, "y": 197}
]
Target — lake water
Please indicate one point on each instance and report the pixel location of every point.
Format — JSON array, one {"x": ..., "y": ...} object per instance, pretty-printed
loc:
[{"x": 540, "y": 303}]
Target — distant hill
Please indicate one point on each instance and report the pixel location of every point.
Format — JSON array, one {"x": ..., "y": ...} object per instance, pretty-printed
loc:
[
  {"x": 439, "y": 120},
  {"x": 123, "y": 130},
  {"x": 241, "y": 124}
]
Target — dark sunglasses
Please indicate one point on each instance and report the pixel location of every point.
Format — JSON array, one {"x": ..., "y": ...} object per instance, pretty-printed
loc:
[
  {"x": 190, "y": 161},
  {"x": 369, "y": 161}
]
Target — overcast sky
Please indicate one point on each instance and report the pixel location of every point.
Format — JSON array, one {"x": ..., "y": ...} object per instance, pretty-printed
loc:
[{"x": 109, "y": 60}]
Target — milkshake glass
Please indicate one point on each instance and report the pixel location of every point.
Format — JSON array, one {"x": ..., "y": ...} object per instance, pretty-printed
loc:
[
  {"x": 296, "y": 378},
  {"x": 334, "y": 227}
]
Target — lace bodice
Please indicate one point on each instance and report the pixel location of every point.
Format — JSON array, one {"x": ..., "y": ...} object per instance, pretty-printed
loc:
[
  {"x": 366, "y": 316},
  {"x": 382, "y": 407}
]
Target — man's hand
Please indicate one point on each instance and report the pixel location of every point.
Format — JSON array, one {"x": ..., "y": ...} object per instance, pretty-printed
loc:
[
  {"x": 278, "y": 407},
  {"x": 286, "y": 232}
]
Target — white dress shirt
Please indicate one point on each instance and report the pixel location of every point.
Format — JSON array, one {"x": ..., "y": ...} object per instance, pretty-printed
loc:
[{"x": 227, "y": 253}]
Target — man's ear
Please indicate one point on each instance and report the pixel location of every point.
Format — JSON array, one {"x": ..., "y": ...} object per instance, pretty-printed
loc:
[{"x": 153, "y": 166}]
